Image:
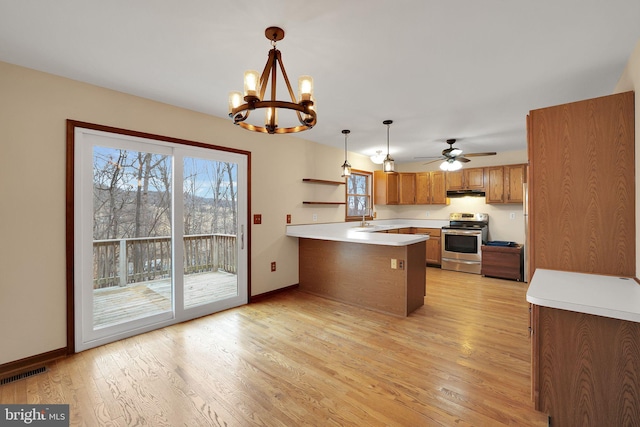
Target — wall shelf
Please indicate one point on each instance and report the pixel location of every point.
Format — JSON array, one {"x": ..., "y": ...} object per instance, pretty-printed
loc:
[
  {"x": 323, "y": 203},
  {"x": 326, "y": 182},
  {"x": 322, "y": 181}
]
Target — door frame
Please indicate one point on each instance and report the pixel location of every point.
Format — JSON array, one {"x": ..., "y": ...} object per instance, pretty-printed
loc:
[{"x": 70, "y": 207}]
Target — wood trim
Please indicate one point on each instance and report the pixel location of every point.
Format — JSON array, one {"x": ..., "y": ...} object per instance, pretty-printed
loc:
[
  {"x": 69, "y": 204},
  {"x": 17, "y": 366},
  {"x": 70, "y": 236},
  {"x": 266, "y": 295}
]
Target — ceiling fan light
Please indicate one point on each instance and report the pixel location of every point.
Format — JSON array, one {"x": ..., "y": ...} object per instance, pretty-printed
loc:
[
  {"x": 455, "y": 152},
  {"x": 455, "y": 165},
  {"x": 451, "y": 165}
]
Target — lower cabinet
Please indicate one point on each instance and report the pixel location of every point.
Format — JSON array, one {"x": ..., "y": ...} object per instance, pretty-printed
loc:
[
  {"x": 434, "y": 254},
  {"x": 504, "y": 262},
  {"x": 585, "y": 368}
]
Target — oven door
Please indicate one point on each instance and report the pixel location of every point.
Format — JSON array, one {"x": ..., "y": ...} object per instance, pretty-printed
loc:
[{"x": 464, "y": 245}]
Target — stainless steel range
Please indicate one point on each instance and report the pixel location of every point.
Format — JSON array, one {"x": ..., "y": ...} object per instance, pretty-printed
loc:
[{"x": 462, "y": 242}]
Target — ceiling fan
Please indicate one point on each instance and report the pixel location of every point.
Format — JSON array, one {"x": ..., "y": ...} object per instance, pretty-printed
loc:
[{"x": 452, "y": 154}]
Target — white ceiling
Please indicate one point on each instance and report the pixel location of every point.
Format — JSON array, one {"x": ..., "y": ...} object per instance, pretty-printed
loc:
[{"x": 465, "y": 69}]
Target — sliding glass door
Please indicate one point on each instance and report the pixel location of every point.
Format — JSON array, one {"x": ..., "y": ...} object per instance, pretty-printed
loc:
[{"x": 159, "y": 234}]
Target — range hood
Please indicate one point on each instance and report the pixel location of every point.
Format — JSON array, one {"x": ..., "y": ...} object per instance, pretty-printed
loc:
[{"x": 465, "y": 193}]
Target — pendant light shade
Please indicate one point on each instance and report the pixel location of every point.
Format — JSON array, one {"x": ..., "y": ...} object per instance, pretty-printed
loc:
[
  {"x": 388, "y": 163},
  {"x": 346, "y": 167}
]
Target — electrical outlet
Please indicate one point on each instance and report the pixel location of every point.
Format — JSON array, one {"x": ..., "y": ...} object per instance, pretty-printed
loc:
[
  {"x": 288, "y": 218},
  {"x": 428, "y": 214},
  {"x": 512, "y": 215},
  {"x": 314, "y": 217},
  {"x": 400, "y": 264},
  {"x": 394, "y": 263},
  {"x": 273, "y": 266},
  {"x": 257, "y": 219}
]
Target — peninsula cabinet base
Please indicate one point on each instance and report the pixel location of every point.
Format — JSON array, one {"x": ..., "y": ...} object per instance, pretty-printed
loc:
[
  {"x": 361, "y": 274},
  {"x": 586, "y": 368}
]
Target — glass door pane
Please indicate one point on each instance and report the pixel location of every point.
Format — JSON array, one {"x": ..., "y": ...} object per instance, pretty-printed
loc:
[
  {"x": 132, "y": 264},
  {"x": 210, "y": 227}
]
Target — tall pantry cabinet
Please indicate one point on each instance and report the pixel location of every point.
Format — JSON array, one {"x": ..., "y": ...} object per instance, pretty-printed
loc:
[{"x": 581, "y": 181}]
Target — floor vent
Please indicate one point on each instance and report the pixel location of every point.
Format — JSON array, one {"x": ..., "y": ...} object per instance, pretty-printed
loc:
[{"x": 22, "y": 375}]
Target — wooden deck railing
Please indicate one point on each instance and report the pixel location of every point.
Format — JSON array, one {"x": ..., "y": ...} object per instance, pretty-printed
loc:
[{"x": 149, "y": 258}]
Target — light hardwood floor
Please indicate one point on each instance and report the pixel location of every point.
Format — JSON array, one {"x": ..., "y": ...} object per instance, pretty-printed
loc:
[{"x": 295, "y": 359}]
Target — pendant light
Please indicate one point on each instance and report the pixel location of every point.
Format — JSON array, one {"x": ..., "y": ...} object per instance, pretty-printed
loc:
[
  {"x": 346, "y": 167},
  {"x": 388, "y": 164}
]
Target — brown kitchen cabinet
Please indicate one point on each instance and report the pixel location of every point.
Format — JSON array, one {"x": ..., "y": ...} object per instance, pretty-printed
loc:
[
  {"x": 407, "y": 188},
  {"x": 581, "y": 185},
  {"x": 423, "y": 190},
  {"x": 585, "y": 368},
  {"x": 466, "y": 179},
  {"x": 386, "y": 188},
  {"x": 504, "y": 262},
  {"x": 581, "y": 180},
  {"x": 431, "y": 188},
  {"x": 504, "y": 183},
  {"x": 434, "y": 254}
]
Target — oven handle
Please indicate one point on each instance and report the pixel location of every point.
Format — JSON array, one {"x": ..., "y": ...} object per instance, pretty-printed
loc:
[{"x": 461, "y": 232}]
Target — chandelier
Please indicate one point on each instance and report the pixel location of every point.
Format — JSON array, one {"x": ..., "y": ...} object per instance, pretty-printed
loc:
[{"x": 255, "y": 88}]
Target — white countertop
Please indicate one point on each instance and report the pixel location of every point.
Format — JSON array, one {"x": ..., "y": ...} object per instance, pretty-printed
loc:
[
  {"x": 352, "y": 232},
  {"x": 608, "y": 296}
]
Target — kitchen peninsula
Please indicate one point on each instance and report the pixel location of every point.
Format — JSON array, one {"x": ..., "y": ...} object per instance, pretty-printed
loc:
[{"x": 369, "y": 267}]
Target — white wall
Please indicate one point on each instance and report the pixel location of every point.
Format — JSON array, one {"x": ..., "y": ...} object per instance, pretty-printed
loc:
[{"x": 34, "y": 107}]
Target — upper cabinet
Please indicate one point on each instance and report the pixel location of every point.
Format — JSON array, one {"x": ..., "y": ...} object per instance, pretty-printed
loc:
[
  {"x": 466, "y": 179},
  {"x": 504, "y": 184},
  {"x": 408, "y": 188},
  {"x": 386, "y": 188},
  {"x": 582, "y": 187},
  {"x": 437, "y": 188}
]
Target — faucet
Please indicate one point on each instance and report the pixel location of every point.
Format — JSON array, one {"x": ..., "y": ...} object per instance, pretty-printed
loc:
[{"x": 364, "y": 214}]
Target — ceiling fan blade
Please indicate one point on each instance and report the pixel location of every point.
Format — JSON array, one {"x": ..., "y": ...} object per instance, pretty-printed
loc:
[
  {"x": 463, "y": 159},
  {"x": 432, "y": 161},
  {"x": 488, "y": 153},
  {"x": 428, "y": 157}
]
